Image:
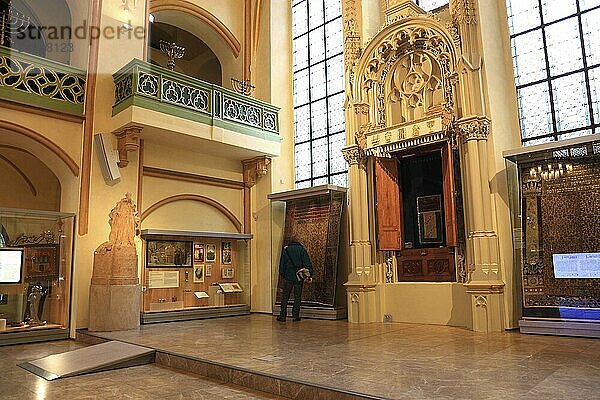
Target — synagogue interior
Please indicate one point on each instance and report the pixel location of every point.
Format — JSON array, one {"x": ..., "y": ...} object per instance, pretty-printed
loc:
[{"x": 436, "y": 162}]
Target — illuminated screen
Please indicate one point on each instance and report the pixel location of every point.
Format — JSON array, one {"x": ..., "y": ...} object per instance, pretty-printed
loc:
[
  {"x": 11, "y": 262},
  {"x": 577, "y": 265}
]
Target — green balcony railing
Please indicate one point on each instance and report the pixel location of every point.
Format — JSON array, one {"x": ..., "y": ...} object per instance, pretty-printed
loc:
[
  {"x": 39, "y": 82},
  {"x": 148, "y": 86}
]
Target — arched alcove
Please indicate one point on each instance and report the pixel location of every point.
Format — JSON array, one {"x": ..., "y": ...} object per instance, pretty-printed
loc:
[
  {"x": 39, "y": 27},
  {"x": 199, "y": 61}
]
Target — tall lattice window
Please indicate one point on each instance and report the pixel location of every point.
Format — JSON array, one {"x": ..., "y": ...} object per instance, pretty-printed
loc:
[
  {"x": 318, "y": 92},
  {"x": 429, "y": 5},
  {"x": 556, "y": 57}
]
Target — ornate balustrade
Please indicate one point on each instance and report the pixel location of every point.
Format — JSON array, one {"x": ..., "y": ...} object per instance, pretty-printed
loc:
[
  {"x": 40, "y": 82},
  {"x": 144, "y": 85}
]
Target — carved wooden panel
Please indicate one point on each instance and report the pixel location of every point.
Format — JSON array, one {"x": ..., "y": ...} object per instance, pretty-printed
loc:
[
  {"x": 389, "y": 206},
  {"x": 427, "y": 265}
]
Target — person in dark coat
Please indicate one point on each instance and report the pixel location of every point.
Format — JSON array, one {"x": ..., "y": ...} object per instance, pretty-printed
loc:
[{"x": 295, "y": 268}]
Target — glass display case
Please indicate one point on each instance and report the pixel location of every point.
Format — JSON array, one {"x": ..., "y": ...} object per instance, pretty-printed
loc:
[
  {"x": 317, "y": 218},
  {"x": 555, "y": 202},
  {"x": 190, "y": 275},
  {"x": 35, "y": 275}
]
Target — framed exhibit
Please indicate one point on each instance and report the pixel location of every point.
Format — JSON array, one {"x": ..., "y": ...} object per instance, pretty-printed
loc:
[
  {"x": 168, "y": 254},
  {"x": 429, "y": 212},
  {"x": 198, "y": 273},
  {"x": 41, "y": 262},
  {"x": 198, "y": 253},
  {"x": 211, "y": 253},
  {"x": 11, "y": 265},
  {"x": 227, "y": 273},
  {"x": 208, "y": 270},
  {"x": 226, "y": 253}
]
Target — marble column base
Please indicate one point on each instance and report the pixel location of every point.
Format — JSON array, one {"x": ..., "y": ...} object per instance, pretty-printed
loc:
[
  {"x": 114, "y": 307},
  {"x": 362, "y": 304},
  {"x": 488, "y": 312}
]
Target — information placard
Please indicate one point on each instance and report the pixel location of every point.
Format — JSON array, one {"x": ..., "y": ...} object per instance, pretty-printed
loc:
[
  {"x": 163, "y": 279},
  {"x": 11, "y": 265},
  {"x": 577, "y": 265}
]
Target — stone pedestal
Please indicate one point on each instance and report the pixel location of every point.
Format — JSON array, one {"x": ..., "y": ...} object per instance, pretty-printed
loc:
[
  {"x": 114, "y": 307},
  {"x": 115, "y": 287}
]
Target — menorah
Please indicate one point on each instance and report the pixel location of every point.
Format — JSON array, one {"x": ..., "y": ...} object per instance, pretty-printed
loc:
[
  {"x": 12, "y": 22},
  {"x": 243, "y": 87},
  {"x": 173, "y": 51}
]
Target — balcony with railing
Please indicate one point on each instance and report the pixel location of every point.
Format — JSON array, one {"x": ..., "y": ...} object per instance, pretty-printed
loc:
[
  {"x": 39, "y": 82},
  {"x": 142, "y": 89}
]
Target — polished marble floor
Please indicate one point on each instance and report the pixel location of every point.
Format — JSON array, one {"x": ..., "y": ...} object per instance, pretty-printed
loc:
[
  {"x": 398, "y": 361},
  {"x": 148, "y": 382}
]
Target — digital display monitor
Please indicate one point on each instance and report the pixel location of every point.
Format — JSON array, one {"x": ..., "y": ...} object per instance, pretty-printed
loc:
[
  {"x": 11, "y": 265},
  {"x": 577, "y": 265}
]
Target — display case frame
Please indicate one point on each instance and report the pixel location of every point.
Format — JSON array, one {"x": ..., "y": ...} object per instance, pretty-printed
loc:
[
  {"x": 195, "y": 291},
  {"x": 39, "y": 307}
]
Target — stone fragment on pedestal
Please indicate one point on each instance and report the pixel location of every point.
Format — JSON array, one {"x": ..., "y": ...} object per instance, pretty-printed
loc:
[{"x": 115, "y": 288}]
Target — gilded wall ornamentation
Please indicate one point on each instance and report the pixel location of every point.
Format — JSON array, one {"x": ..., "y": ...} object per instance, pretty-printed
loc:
[
  {"x": 353, "y": 155},
  {"x": 463, "y": 11},
  {"x": 474, "y": 128}
]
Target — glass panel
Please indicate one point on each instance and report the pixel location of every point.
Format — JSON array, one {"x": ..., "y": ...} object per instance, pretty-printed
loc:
[
  {"x": 340, "y": 180},
  {"x": 317, "y": 45},
  {"x": 595, "y": 92},
  {"x": 564, "y": 46},
  {"x": 302, "y": 124},
  {"x": 523, "y": 15},
  {"x": 429, "y": 5},
  {"x": 298, "y": 2},
  {"x": 319, "y": 118},
  {"x": 320, "y": 153},
  {"x": 575, "y": 134},
  {"x": 320, "y": 181},
  {"x": 300, "y": 52},
  {"x": 333, "y": 31},
  {"x": 528, "y": 57},
  {"x": 302, "y": 185},
  {"x": 302, "y": 161},
  {"x": 587, "y": 4},
  {"x": 534, "y": 109},
  {"x": 315, "y": 13},
  {"x": 335, "y": 75},
  {"x": 591, "y": 38},
  {"x": 301, "y": 88},
  {"x": 336, "y": 113},
  {"x": 553, "y": 10},
  {"x": 337, "y": 163},
  {"x": 299, "y": 19},
  {"x": 570, "y": 102},
  {"x": 538, "y": 141},
  {"x": 333, "y": 9},
  {"x": 317, "y": 81}
]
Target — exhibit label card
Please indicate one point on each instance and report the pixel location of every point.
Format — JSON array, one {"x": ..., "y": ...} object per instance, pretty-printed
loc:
[
  {"x": 577, "y": 265},
  {"x": 10, "y": 266},
  {"x": 163, "y": 279}
]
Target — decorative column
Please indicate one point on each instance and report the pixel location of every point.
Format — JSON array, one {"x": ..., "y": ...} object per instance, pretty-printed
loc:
[
  {"x": 484, "y": 282},
  {"x": 254, "y": 169}
]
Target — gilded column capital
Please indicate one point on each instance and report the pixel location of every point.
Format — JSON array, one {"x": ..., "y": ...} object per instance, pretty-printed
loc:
[
  {"x": 128, "y": 140},
  {"x": 473, "y": 128},
  {"x": 254, "y": 169},
  {"x": 354, "y": 155}
]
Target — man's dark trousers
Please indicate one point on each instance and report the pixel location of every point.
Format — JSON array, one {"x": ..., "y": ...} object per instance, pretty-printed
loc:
[{"x": 287, "y": 290}]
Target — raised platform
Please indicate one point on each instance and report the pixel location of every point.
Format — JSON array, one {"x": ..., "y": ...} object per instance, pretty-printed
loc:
[
  {"x": 329, "y": 313},
  {"x": 542, "y": 326},
  {"x": 318, "y": 359},
  {"x": 194, "y": 313}
]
